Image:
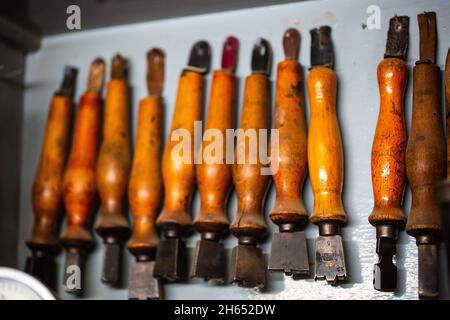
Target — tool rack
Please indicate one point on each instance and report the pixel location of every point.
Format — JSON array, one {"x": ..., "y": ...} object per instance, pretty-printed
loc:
[{"x": 358, "y": 49}]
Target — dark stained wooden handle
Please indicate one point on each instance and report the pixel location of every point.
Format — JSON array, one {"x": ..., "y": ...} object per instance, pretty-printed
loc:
[
  {"x": 325, "y": 153},
  {"x": 214, "y": 175},
  {"x": 389, "y": 145},
  {"x": 47, "y": 187},
  {"x": 79, "y": 178},
  {"x": 251, "y": 186},
  {"x": 289, "y": 120},
  {"x": 114, "y": 160},
  {"x": 179, "y": 172},
  {"x": 426, "y": 152},
  {"x": 145, "y": 191}
]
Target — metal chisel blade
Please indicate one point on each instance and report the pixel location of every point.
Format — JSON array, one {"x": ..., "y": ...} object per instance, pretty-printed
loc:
[
  {"x": 209, "y": 261},
  {"x": 428, "y": 271},
  {"x": 142, "y": 284},
  {"x": 330, "y": 260},
  {"x": 385, "y": 271},
  {"x": 171, "y": 260},
  {"x": 248, "y": 267},
  {"x": 398, "y": 36},
  {"x": 289, "y": 253}
]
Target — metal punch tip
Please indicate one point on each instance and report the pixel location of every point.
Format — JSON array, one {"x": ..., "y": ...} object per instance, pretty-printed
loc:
[
  {"x": 209, "y": 261},
  {"x": 142, "y": 284},
  {"x": 73, "y": 281},
  {"x": 248, "y": 267},
  {"x": 171, "y": 260}
]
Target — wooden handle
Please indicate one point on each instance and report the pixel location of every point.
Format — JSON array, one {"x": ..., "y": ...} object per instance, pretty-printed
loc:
[
  {"x": 325, "y": 155},
  {"x": 47, "y": 187},
  {"x": 289, "y": 120},
  {"x": 79, "y": 178},
  {"x": 113, "y": 164},
  {"x": 145, "y": 190},
  {"x": 214, "y": 175},
  {"x": 426, "y": 152},
  {"x": 179, "y": 176},
  {"x": 250, "y": 185},
  {"x": 389, "y": 145}
]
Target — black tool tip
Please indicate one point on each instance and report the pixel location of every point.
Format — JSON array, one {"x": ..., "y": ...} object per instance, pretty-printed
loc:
[
  {"x": 209, "y": 261},
  {"x": 43, "y": 267},
  {"x": 248, "y": 267},
  {"x": 262, "y": 57},
  {"x": 398, "y": 37},
  {"x": 385, "y": 271},
  {"x": 171, "y": 260},
  {"x": 428, "y": 267},
  {"x": 142, "y": 284},
  {"x": 200, "y": 57},
  {"x": 289, "y": 254},
  {"x": 291, "y": 44},
  {"x": 111, "y": 263},
  {"x": 68, "y": 83},
  {"x": 322, "y": 53}
]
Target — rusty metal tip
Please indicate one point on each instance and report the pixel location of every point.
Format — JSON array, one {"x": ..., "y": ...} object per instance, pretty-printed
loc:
[
  {"x": 74, "y": 272},
  {"x": 118, "y": 67},
  {"x": 330, "y": 259},
  {"x": 155, "y": 71},
  {"x": 398, "y": 37},
  {"x": 171, "y": 260},
  {"x": 96, "y": 76},
  {"x": 209, "y": 261},
  {"x": 291, "y": 44},
  {"x": 142, "y": 284},
  {"x": 111, "y": 264},
  {"x": 200, "y": 57},
  {"x": 248, "y": 268},
  {"x": 385, "y": 271},
  {"x": 289, "y": 253},
  {"x": 322, "y": 52},
  {"x": 261, "y": 57},
  {"x": 230, "y": 53},
  {"x": 428, "y": 36}
]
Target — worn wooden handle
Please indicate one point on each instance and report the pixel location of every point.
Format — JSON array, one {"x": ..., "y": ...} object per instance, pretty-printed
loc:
[
  {"x": 251, "y": 186},
  {"x": 325, "y": 154},
  {"x": 214, "y": 175},
  {"x": 47, "y": 187},
  {"x": 178, "y": 165},
  {"x": 114, "y": 159},
  {"x": 289, "y": 120},
  {"x": 79, "y": 178},
  {"x": 145, "y": 191},
  {"x": 426, "y": 152},
  {"x": 389, "y": 145}
]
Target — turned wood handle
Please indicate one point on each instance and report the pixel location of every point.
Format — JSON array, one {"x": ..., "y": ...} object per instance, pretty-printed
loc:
[
  {"x": 145, "y": 191},
  {"x": 47, "y": 187},
  {"x": 289, "y": 120},
  {"x": 113, "y": 164},
  {"x": 426, "y": 152},
  {"x": 214, "y": 175},
  {"x": 325, "y": 154},
  {"x": 179, "y": 175},
  {"x": 251, "y": 186},
  {"x": 389, "y": 145},
  {"x": 79, "y": 179}
]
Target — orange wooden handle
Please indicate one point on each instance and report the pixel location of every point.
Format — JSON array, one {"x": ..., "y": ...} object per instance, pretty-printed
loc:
[
  {"x": 114, "y": 160},
  {"x": 179, "y": 174},
  {"x": 214, "y": 175},
  {"x": 325, "y": 154},
  {"x": 47, "y": 187},
  {"x": 389, "y": 145},
  {"x": 79, "y": 178},
  {"x": 250, "y": 185},
  {"x": 289, "y": 120},
  {"x": 145, "y": 191},
  {"x": 426, "y": 152}
]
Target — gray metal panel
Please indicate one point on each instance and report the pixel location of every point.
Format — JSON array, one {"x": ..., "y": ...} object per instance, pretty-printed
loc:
[{"x": 358, "y": 51}]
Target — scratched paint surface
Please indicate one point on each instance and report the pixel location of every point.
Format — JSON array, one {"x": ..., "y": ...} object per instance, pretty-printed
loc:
[{"x": 358, "y": 51}]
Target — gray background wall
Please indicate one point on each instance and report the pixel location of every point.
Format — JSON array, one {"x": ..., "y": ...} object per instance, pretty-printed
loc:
[{"x": 357, "y": 50}]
